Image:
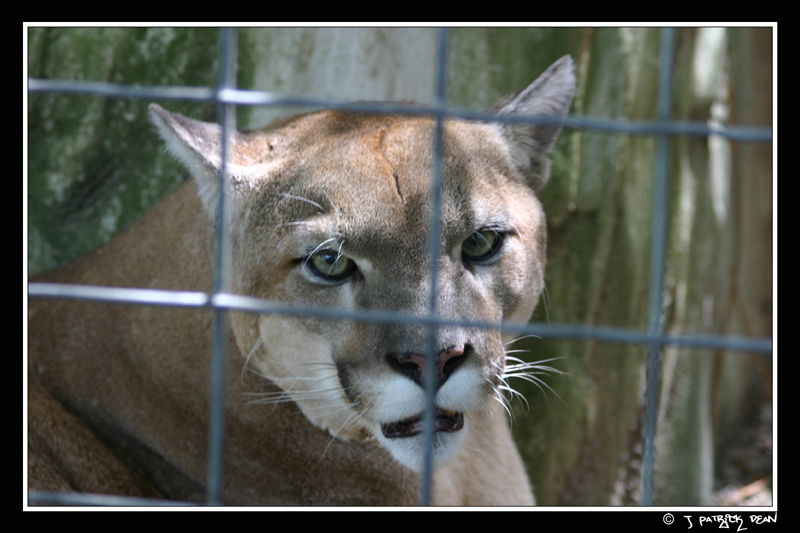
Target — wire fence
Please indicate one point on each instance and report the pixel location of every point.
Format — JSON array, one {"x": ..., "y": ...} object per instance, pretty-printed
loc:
[{"x": 226, "y": 95}]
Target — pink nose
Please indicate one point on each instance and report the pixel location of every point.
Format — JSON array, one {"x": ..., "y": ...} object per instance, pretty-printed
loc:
[{"x": 412, "y": 364}]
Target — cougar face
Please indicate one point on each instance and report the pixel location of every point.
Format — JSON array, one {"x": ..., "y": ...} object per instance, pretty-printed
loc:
[
  {"x": 351, "y": 232},
  {"x": 335, "y": 209}
]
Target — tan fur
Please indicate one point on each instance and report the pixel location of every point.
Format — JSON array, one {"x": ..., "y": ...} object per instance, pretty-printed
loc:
[{"x": 118, "y": 394}]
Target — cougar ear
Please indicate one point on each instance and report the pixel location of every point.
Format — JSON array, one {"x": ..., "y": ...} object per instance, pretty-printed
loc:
[
  {"x": 551, "y": 95},
  {"x": 198, "y": 146}
]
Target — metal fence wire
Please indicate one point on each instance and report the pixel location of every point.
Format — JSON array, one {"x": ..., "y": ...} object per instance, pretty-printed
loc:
[{"x": 226, "y": 95}]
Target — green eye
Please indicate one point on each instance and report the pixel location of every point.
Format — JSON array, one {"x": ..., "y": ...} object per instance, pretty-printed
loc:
[
  {"x": 330, "y": 265},
  {"x": 481, "y": 245}
]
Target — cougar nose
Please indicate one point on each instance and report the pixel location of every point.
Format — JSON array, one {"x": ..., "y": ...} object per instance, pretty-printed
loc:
[{"x": 412, "y": 364}]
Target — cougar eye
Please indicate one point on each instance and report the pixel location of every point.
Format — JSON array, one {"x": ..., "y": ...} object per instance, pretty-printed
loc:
[
  {"x": 481, "y": 245},
  {"x": 331, "y": 265}
]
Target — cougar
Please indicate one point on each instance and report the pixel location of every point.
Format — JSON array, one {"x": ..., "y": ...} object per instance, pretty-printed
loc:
[{"x": 329, "y": 209}]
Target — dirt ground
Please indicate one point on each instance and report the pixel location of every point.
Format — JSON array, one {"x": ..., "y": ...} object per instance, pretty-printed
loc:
[{"x": 744, "y": 471}]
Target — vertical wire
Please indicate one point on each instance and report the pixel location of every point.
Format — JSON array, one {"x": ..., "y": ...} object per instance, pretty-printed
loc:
[
  {"x": 216, "y": 432},
  {"x": 429, "y": 375},
  {"x": 657, "y": 263}
]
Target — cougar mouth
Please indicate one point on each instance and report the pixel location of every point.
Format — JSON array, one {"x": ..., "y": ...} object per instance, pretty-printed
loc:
[{"x": 447, "y": 421}]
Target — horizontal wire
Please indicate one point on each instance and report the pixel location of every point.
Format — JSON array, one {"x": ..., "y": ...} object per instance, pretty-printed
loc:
[
  {"x": 79, "y": 498},
  {"x": 236, "y": 302},
  {"x": 265, "y": 98}
]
